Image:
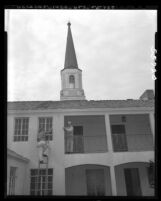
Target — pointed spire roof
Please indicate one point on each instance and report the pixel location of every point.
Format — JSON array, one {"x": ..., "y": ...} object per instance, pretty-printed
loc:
[{"x": 70, "y": 56}]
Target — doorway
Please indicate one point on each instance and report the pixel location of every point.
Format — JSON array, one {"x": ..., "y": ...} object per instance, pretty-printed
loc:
[
  {"x": 95, "y": 180},
  {"x": 78, "y": 139},
  {"x": 132, "y": 181}
]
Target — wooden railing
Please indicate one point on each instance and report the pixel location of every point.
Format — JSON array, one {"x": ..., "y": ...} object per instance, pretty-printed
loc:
[
  {"x": 119, "y": 142},
  {"x": 88, "y": 144},
  {"x": 132, "y": 142}
]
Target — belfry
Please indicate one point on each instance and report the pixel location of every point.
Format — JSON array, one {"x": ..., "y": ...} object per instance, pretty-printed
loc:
[{"x": 71, "y": 75}]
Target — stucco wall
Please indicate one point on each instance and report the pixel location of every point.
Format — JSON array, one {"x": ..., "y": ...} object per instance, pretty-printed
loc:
[
  {"x": 120, "y": 179},
  {"x": 20, "y": 184},
  {"x": 57, "y": 159},
  {"x": 75, "y": 179},
  {"x": 29, "y": 150}
]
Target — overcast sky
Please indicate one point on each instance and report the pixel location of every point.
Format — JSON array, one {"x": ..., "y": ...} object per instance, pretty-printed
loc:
[{"x": 113, "y": 49}]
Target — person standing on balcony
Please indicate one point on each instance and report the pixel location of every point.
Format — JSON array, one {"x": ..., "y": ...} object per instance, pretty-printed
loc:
[
  {"x": 69, "y": 137},
  {"x": 42, "y": 145}
]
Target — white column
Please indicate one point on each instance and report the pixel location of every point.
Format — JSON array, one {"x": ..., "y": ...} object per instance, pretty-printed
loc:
[
  {"x": 110, "y": 151},
  {"x": 57, "y": 158},
  {"x": 113, "y": 181},
  {"x": 108, "y": 133},
  {"x": 151, "y": 118}
]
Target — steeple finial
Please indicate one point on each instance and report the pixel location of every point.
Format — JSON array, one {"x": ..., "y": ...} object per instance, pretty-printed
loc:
[
  {"x": 70, "y": 56},
  {"x": 69, "y": 23}
]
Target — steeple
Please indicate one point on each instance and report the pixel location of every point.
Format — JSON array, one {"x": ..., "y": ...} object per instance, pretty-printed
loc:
[
  {"x": 70, "y": 56},
  {"x": 71, "y": 75}
]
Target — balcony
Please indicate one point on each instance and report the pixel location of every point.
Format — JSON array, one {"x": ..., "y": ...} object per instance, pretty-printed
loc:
[
  {"x": 89, "y": 133},
  {"x": 88, "y": 144},
  {"x": 131, "y": 132},
  {"x": 132, "y": 142}
]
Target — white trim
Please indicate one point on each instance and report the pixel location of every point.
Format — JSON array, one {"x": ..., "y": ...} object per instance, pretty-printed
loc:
[
  {"x": 17, "y": 156},
  {"x": 136, "y": 110}
]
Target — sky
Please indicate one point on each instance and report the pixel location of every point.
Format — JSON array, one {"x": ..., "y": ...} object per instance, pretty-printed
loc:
[{"x": 113, "y": 49}]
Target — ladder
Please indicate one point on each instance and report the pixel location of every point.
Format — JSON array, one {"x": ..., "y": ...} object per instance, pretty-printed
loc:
[{"x": 39, "y": 179}]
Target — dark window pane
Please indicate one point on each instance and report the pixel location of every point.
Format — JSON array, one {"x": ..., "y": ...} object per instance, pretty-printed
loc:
[
  {"x": 33, "y": 179},
  {"x": 50, "y": 178},
  {"x": 32, "y": 186},
  {"x": 34, "y": 172},
  {"x": 50, "y": 171},
  {"x": 32, "y": 192},
  {"x": 50, "y": 185},
  {"x": 116, "y": 129},
  {"x": 49, "y": 192}
]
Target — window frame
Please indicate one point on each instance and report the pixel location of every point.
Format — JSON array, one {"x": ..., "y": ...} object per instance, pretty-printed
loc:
[
  {"x": 125, "y": 147},
  {"x": 71, "y": 81},
  {"x": 38, "y": 185},
  {"x": 20, "y": 128},
  {"x": 50, "y": 136},
  {"x": 12, "y": 180}
]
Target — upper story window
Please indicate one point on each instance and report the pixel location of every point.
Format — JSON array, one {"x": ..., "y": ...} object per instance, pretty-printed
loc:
[
  {"x": 71, "y": 81},
  {"x": 45, "y": 124},
  {"x": 119, "y": 138},
  {"x": 21, "y": 129}
]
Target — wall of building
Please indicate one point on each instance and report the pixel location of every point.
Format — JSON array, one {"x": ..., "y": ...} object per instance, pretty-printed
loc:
[
  {"x": 57, "y": 159},
  {"x": 29, "y": 150},
  {"x": 120, "y": 179},
  {"x": 20, "y": 184},
  {"x": 75, "y": 179}
]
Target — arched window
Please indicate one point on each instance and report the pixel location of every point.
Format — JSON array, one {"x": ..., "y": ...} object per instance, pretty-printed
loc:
[{"x": 71, "y": 81}]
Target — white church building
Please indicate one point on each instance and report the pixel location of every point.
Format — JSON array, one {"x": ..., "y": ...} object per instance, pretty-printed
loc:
[{"x": 113, "y": 142}]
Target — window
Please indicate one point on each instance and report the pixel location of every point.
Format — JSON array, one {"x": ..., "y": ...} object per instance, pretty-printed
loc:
[
  {"x": 119, "y": 138},
  {"x": 71, "y": 81},
  {"x": 21, "y": 129},
  {"x": 150, "y": 172},
  {"x": 95, "y": 180},
  {"x": 12, "y": 180},
  {"x": 45, "y": 123},
  {"x": 78, "y": 139},
  {"x": 132, "y": 181},
  {"x": 42, "y": 183}
]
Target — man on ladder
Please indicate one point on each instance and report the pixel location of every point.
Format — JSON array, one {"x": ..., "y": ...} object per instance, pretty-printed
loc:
[{"x": 42, "y": 145}]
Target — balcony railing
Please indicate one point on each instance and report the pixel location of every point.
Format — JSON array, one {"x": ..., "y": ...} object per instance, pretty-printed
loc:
[
  {"x": 119, "y": 142},
  {"x": 140, "y": 142},
  {"x": 88, "y": 144},
  {"x": 132, "y": 142}
]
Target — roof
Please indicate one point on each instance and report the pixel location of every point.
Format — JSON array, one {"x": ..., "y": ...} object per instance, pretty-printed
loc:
[
  {"x": 17, "y": 156},
  {"x": 148, "y": 94},
  {"x": 78, "y": 104},
  {"x": 70, "y": 56}
]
